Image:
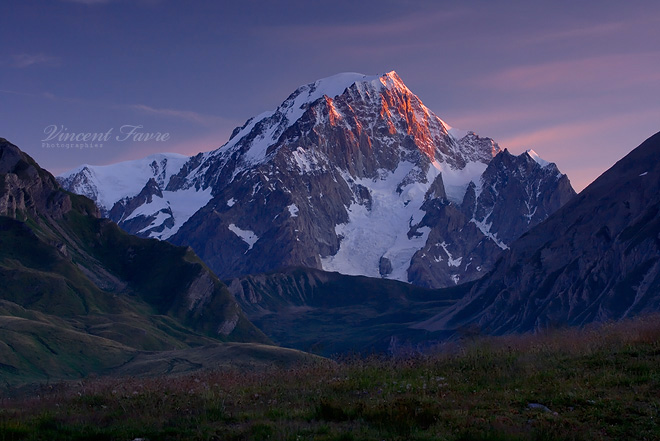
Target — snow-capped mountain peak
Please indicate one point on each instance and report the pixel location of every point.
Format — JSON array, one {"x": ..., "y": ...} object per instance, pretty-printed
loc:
[
  {"x": 270, "y": 125},
  {"x": 350, "y": 173}
]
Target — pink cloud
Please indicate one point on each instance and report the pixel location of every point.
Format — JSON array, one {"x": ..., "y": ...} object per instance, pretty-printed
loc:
[
  {"x": 572, "y": 130},
  {"x": 204, "y": 143},
  {"x": 598, "y": 30},
  {"x": 89, "y": 2},
  {"x": 410, "y": 24},
  {"x": 648, "y": 19},
  {"x": 616, "y": 70},
  {"x": 478, "y": 121},
  {"x": 585, "y": 149}
]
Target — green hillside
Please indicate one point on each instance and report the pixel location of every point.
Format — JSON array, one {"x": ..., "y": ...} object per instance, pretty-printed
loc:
[{"x": 79, "y": 296}]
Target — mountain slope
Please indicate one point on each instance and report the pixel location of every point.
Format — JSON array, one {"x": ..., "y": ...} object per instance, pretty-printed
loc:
[
  {"x": 79, "y": 295},
  {"x": 351, "y": 173},
  {"x": 595, "y": 259},
  {"x": 329, "y": 313}
]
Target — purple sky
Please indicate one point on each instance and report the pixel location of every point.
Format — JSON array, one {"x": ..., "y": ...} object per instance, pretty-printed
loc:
[{"x": 577, "y": 81}]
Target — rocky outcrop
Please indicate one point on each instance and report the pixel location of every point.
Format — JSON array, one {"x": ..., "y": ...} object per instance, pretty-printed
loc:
[
  {"x": 200, "y": 291},
  {"x": 25, "y": 188}
]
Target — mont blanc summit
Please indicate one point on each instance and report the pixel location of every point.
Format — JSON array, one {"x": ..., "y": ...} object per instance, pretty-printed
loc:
[{"x": 351, "y": 173}]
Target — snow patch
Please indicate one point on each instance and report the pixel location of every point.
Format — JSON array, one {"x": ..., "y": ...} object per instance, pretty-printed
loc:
[
  {"x": 540, "y": 161},
  {"x": 293, "y": 210},
  {"x": 485, "y": 229},
  {"x": 231, "y": 202},
  {"x": 158, "y": 221},
  {"x": 306, "y": 160},
  {"x": 456, "y": 181},
  {"x": 246, "y": 235},
  {"x": 450, "y": 260},
  {"x": 183, "y": 203},
  {"x": 455, "y": 133},
  {"x": 156, "y": 205}
]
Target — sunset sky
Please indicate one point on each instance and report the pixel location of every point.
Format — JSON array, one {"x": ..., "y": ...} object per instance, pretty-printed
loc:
[{"x": 577, "y": 81}]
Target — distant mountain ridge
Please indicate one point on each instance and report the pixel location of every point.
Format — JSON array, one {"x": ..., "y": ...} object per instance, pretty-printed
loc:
[
  {"x": 595, "y": 259},
  {"x": 330, "y": 313},
  {"x": 123, "y": 190},
  {"x": 351, "y": 173}
]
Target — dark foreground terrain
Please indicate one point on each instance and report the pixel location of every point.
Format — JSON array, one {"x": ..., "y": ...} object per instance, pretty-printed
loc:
[{"x": 595, "y": 384}]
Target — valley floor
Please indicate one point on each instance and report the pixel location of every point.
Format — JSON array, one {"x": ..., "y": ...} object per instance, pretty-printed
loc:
[{"x": 602, "y": 383}]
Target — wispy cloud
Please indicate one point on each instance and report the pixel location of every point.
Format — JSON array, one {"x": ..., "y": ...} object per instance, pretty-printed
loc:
[
  {"x": 13, "y": 92},
  {"x": 203, "y": 143},
  {"x": 22, "y": 61},
  {"x": 102, "y": 2},
  {"x": 187, "y": 115},
  {"x": 471, "y": 120},
  {"x": 555, "y": 134},
  {"x": 184, "y": 115},
  {"x": 585, "y": 149},
  {"x": 44, "y": 95},
  {"x": 371, "y": 35},
  {"x": 616, "y": 69},
  {"x": 596, "y": 30},
  {"x": 89, "y": 2},
  {"x": 189, "y": 146}
]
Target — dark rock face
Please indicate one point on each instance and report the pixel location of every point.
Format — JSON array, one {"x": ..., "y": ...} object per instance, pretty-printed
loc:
[
  {"x": 595, "y": 259},
  {"x": 353, "y": 174},
  {"x": 25, "y": 188},
  {"x": 516, "y": 194},
  {"x": 384, "y": 266}
]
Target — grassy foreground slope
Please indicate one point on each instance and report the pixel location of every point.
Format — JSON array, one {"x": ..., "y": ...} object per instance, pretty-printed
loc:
[{"x": 599, "y": 383}]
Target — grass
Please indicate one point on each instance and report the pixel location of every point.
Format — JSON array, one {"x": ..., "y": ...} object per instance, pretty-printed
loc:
[{"x": 601, "y": 383}]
